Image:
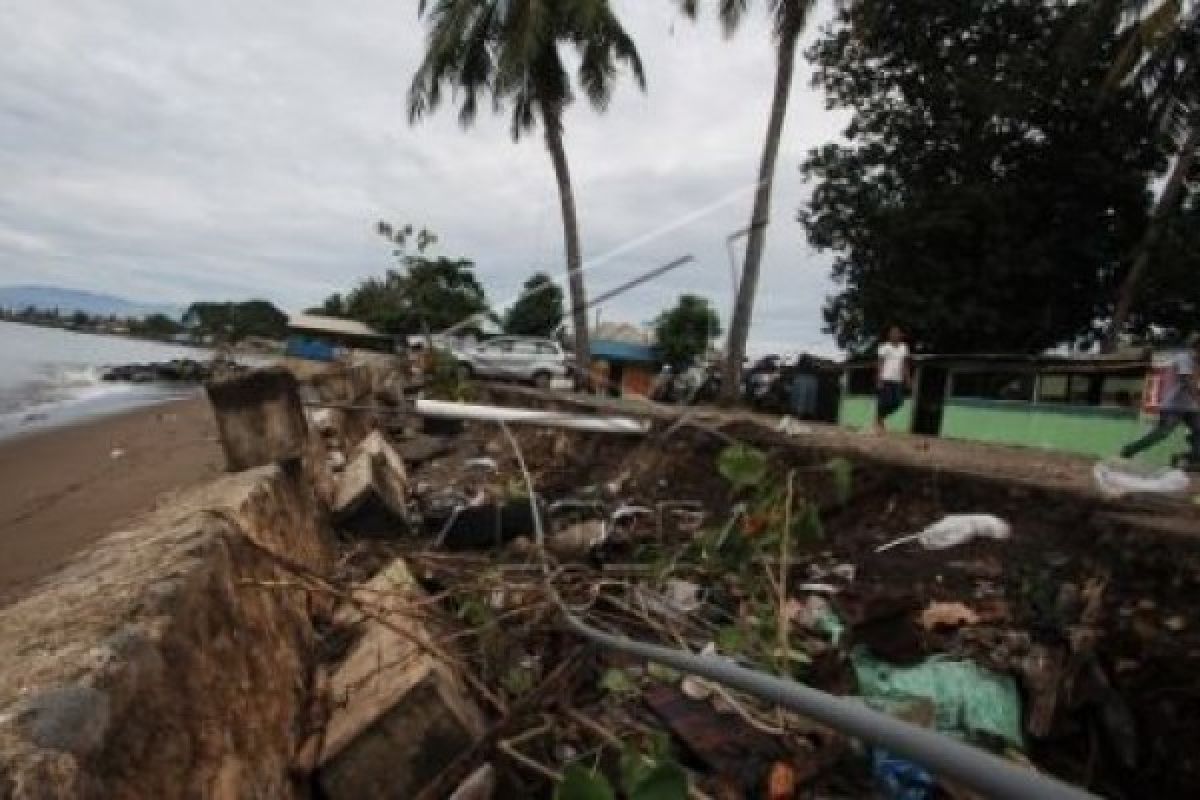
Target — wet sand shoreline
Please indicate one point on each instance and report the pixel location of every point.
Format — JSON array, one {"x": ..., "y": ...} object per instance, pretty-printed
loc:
[{"x": 63, "y": 489}]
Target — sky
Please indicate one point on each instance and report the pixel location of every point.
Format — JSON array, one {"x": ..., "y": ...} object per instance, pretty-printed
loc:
[{"x": 168, "y": 151}]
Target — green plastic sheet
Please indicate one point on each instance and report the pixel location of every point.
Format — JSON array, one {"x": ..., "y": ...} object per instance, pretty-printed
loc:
[{"x": 969, "y": 701}]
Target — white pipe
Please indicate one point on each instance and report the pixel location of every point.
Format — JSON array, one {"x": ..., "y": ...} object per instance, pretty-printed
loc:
[{"x": 592, "y": 423}]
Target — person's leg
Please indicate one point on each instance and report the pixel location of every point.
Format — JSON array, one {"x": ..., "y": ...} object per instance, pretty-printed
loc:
[
  {"x": 1166, "y": 423},
  {"x": 1192, "y": 420},
  {"x": 890, "y": 399}
]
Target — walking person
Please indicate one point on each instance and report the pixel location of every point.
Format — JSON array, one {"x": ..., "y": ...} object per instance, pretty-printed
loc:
[
  {"x": 1180, "y": 404},
  {"x": 895, "y": 375}
]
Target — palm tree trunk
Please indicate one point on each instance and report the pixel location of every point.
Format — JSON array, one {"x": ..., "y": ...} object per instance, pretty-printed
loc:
[
  {"x": 1168, "y": 201},
  {"x": 743, "y": 310},
  {"x": 552, "y": 121}
]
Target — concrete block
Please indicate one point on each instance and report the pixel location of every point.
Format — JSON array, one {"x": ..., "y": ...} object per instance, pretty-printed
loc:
[
  {"x": 372, "y": 490},
  {"x": 259, "y": 418},
  {"x": 400, "y": 715}
]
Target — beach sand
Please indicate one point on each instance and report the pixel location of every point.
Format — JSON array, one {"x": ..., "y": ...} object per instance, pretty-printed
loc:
[{"x": 65, "y": 488}]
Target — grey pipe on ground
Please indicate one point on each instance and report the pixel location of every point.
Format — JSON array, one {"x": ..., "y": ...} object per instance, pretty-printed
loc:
[{"x": 975, "y": 769}]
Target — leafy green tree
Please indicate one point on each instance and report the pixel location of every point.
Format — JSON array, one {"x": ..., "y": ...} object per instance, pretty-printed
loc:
[
  {"x": 155, "y": 326},
  {"x": 514, "y": 51},
  {"x": 685, "y": 331},
  {"x": 333, "y": 306},
  {"x": 1162, "y": 55},
  {"x": 539, "y": 309},
  {"x": 428, "y": 296},
  {"x": 987, "y": 200},
  {"x": 1168, "y": 307},
  {"x": 789, "y": 18},
  {"x": 233, "y": 322}
]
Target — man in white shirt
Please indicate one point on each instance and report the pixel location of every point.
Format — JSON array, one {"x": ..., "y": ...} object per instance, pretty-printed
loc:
[
  {"x": 1180, "y": 404},
  {"x": 894, "y": 376}
]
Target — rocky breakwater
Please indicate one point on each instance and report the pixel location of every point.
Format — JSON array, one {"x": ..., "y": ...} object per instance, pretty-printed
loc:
[{"x": 176, "y": 371}]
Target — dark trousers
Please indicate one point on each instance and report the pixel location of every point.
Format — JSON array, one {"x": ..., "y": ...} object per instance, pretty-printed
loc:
[
  {"x": 890, "y": 398},
  {"x": 1168, "y": 421}
]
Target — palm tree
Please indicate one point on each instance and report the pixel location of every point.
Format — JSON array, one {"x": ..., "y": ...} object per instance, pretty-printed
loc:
[
  {"x": 789, "y": 17},
  {"x": 1162, "y": 53},
  {"x": 511, "y": 49}
]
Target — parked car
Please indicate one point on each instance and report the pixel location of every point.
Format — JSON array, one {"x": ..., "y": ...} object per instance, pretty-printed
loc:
[{"x": 522, "y": 358}]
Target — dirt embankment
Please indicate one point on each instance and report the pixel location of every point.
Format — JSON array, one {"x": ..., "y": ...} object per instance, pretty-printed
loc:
[{"x": 1100, "y": 587}]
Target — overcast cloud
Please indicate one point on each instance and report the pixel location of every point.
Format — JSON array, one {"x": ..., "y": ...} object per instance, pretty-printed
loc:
[{"x": 167, "y": 151}]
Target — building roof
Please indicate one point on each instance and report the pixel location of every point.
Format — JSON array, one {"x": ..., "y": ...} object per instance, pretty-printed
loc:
[
  {"x": 609, "y": 350},
  {"x": 341, "y": 327},
  {"x": 623, "y": 332}
]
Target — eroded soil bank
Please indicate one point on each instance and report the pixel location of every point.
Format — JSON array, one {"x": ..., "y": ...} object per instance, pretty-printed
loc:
[{"x": 1092, "y": 616}]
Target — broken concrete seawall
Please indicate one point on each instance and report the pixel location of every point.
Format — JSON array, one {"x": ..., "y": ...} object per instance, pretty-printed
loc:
[{"x": 172, "y": 660}]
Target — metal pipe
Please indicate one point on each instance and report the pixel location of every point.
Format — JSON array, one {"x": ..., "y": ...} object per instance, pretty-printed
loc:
[
  {"x": 976, "y": 769},
  {"x": 554, "y": 419}
]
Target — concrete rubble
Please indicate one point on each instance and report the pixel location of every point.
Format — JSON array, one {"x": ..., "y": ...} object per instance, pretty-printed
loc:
[{"x": 360, "y": 610}]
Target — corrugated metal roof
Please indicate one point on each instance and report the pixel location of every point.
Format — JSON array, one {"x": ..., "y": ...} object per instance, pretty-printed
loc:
[
  {"x": 342, "y": 327},
  {"x": 624, "y": 351}
]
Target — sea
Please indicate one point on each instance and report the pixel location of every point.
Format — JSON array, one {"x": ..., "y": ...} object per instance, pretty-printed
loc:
[{"x": 51, "y": 377}]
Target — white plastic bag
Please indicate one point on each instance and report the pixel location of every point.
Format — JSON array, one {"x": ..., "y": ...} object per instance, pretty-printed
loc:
[
  {"x": 1118, "y": 477},
  {"x": 953, "y": 530}
]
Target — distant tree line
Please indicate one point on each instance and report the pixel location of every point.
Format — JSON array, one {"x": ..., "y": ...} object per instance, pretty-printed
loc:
[
  {"x": 154, "y": 326},
  {"x": 209, "y": 323}
]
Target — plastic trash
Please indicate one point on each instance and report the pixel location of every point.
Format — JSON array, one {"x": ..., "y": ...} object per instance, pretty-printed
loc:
[
  {"x": 793, "y": 427},
  {"x": 1116, "y": 477},
  {"x": 953, "y": 530},
  {"x": 898, "y": 779},
  {"x": 968, "y": 700}
]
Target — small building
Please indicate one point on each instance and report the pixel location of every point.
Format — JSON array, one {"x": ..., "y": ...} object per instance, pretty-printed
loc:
[
  {"x": 625, "y": 358},
  {"x": 625, "y": 367},
  {"x": 1090, "y": 406},
  {"x": 318, "y": 338}
]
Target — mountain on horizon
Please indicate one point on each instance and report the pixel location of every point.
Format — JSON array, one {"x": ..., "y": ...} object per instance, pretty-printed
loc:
[{"x": 48, "y": 298}]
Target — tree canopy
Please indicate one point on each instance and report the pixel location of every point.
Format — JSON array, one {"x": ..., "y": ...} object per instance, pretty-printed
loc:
[
  {"x": 235, "y": 321},
  {"x": 539, "y": 309},
  {"x": 427, "y": 296},
  {"x": 685, "y": 331},
  {"x": 987, "y": 200}
]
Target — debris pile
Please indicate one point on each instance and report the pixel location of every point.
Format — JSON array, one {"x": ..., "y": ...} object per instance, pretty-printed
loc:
[{"x": 1036, "y": 629}]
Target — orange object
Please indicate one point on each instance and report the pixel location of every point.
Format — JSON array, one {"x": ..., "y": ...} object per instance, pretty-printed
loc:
[{"x": 781, "y": 782}]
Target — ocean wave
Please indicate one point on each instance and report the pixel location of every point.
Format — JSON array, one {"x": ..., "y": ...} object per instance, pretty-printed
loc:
[{"x": 59, "y": 386}]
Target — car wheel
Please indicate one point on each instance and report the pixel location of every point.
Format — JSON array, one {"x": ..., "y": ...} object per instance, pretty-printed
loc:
[{"x": 542, "y": 380}]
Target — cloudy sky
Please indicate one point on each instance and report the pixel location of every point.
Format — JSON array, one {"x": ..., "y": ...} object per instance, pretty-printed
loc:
[{"x": 166, "y": 151}]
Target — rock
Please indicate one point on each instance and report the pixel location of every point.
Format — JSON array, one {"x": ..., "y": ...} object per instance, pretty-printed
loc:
[
  {"x": 259, "y": 418},
  {"x": 371, "y": 497},
  {"x": 71, "y": 719},
  {"x": 400, "y": 714},
  {"x": 422, "y": 448},
  {"x": 577, "y": 540}
]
